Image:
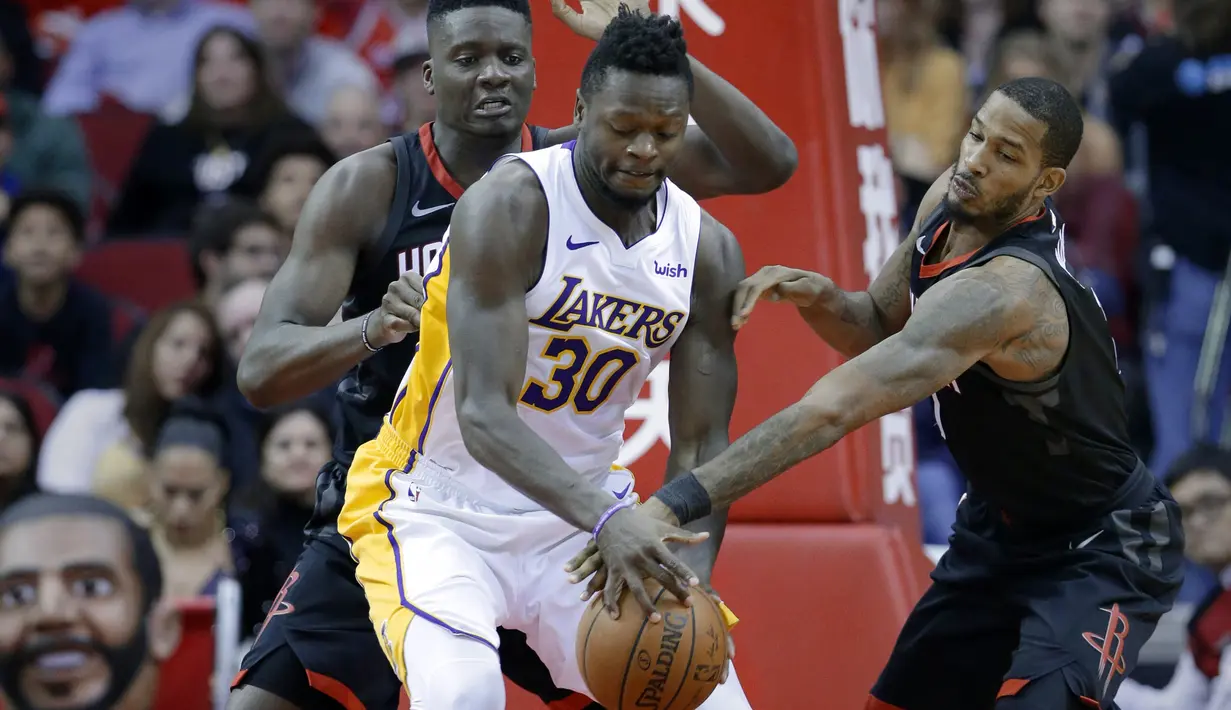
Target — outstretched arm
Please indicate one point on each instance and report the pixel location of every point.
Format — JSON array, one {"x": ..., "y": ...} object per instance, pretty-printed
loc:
[
  {"x": 851, "y": 322},
  {"x": 958, "y": 322},
  {"x": 704, "y": 378},
  {"x": 293, "y": 350},
  {"x": 735, "y": 148}
]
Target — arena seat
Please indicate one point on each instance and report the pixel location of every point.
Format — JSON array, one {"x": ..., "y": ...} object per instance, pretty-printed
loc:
[
  {"x": 113, "y": 135},
  {"x": 148, "y": 273},
  {"x": 184, "y": 680},
  {"x": 44, "y": 401},
  {"x": 124, "y": 317}
]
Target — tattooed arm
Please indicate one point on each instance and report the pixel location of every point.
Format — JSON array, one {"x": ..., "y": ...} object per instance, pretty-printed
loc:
[
  {"x": 850, "y": 321},
  {"x": 1005, "y": 313}
]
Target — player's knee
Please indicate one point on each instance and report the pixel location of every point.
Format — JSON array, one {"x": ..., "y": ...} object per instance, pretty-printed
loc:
[
  {"x": 447, "y": 670},
  {"x": 1050, "y": 692},
  {"x": 466, "y": 684}
]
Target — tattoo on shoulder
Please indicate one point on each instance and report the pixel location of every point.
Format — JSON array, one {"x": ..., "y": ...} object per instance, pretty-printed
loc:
[{"x": 1036, "y": 347}]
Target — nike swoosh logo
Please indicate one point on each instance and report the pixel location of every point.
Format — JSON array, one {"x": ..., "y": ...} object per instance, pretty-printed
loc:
[
  {"x": 416, "y": 212},
  {"x": 919, "y": 244},
  {"x": 1088, "y": 540},
  {"x": 623, "y": 493},
  {"x": 574, "y": 246}
]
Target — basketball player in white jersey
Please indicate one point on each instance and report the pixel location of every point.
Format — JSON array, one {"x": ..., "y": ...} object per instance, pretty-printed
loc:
[{"x": 567, "y": 275}]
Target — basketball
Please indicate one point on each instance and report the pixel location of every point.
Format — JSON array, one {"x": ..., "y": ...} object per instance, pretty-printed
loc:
[{"x": 672, "y": 665}]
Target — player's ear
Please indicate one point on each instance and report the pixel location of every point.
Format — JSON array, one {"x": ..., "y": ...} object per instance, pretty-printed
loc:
[
  {"x": 1050, "y": 182},
  {"x": 579, "y": 109},
  {"x": 428, "y": 84},
  {"x": 165, "y": 627}
]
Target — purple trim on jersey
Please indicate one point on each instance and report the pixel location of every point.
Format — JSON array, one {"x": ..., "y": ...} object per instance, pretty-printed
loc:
[
  {"x": 397, "y": 561},
  {"x": 431, "y": 405}
]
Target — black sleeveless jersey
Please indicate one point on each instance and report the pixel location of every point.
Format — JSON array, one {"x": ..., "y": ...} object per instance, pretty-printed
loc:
[
  {"x": 422, "y": 206},
  {"x": 1052, "y": 452}
]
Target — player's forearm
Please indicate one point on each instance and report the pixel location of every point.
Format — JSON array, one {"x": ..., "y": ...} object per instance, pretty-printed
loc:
[
  {"x": 290, "y": 361},
  {"x": 501, "y": 442},
  {"x": 756, "y": 149},
  {"x": 798, "y": 432},
  {"x": 700, "y": 558},
  {"x": 848, "y": 321}
]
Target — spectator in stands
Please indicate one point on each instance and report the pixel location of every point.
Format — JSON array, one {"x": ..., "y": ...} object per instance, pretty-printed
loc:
[
  {"x": 352, "y": 122},
  {"x": 234, "y": 112},
  {"x": 19, "y": 442},
  {"x": 196, "y": 541},
  {"x": 308, "y": 69},
  {"x": 415, "y": 105},
  {"x": 47, "y": 151},
  {"x": 235, "y": 241},
  {"x": 926, "y": 101},
  {"x": 139, "y": 54},
  {"x": 81, "y": 581},
  {"x": 283, "y": 175},
  {"x": 54, "y": 328},
  {"x": 102, "y": 438},
  {"x": 236, "y": 313},
  {"x": 1200, "y": 482},
  {"x": 294, "y": 443},
  {"x": 1080, "y": 28},
  {"x": 1178, "y": 90}
]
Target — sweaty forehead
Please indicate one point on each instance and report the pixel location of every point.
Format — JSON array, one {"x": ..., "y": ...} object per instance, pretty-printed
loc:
[
  {"x": 629, "y": 92},
  {"x": 57, "y": 541},
  {"x": 1003, "y": 118},
  {"x": 479, "y": 25}
]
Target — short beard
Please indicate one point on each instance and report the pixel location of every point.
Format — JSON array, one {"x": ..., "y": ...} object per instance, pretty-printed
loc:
[
  {"x": 995, "y": 220},
  {"x": 632, "y": 203}
]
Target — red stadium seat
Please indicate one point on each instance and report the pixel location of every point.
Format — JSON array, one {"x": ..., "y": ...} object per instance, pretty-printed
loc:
[
  {"x": 149, "y": 273},
  {"x": 184, "y": 680},
  {"x": 113, "y": 135},
  {"x": 44, "y": 401},
  {"x": 124, "y": 317}
]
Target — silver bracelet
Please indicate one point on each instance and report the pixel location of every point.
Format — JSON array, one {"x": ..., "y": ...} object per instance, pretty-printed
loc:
[{"x": 363, "y": 333}]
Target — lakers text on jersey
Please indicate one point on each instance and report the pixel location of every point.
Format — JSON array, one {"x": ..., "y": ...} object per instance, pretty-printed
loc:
[{"x": 439, "y": 536}]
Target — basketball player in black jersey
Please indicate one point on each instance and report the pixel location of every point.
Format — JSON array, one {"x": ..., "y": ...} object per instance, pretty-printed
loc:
[
  {"x": 371, "y": 225},
  {"x": 1066, "y": 551}
]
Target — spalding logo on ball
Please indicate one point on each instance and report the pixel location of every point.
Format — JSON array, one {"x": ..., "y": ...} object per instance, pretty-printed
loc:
[{"x": 629, "y": 663}]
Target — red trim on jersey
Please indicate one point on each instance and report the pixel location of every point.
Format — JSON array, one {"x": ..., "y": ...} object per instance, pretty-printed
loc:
[
  {"x": 440, "y": 172},
  {"x": 1012, "y": 687},
  {"x": 927, "y": 271},
  {"x": 335, "y": 689},
  {"x": 875, "y": 703},
  {"x": 572, "y": 702}
]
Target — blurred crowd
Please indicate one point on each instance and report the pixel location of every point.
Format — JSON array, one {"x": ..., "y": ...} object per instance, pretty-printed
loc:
[{"x": 203, "y": 125}]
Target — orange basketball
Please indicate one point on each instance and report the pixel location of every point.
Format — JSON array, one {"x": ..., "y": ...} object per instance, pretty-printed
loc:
[{"x": 672, "y": 665}]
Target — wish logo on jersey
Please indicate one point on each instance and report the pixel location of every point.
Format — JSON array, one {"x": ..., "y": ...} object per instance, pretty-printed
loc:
[{"x": 576, "y": 306}]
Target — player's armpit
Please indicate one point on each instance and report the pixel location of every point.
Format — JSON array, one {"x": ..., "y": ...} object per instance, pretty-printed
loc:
[
  {"x": 704, "y": 376},
  {"x": 955, "y": 324},
  {"x": 293, "y": 351}
]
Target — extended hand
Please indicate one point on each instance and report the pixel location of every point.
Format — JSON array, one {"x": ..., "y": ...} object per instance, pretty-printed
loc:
[
  {"x": 398, "y": 314},
  {"x": 633, "y": 546},
  {"x": 777, "y": 283},
  {"x": 589, "y": 563},
  {"x": 595, "y": 15}
]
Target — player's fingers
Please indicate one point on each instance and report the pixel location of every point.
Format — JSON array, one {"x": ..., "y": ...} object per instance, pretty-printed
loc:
[
  {"x": 746, "y": 296},
  {"x": 589, "y": 566},
  {"x": 590, "y": 550},
  {"x": 413, "y": 281},
  {"x": 612, "y": 590},
  {"x": 676, "y": 567},
  {"x": 563, "y": 12},
  {"x": 671, "y": 583},
  {"x": 637, "y": 588},
  {"x": 597, "y": 582},
  {"x": 403, "y": 292},
  {"x": 685, "y": 537},
  {"x": 726, "y": 667}
]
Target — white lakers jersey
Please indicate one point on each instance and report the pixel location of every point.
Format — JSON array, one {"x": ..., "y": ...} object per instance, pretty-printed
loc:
[{"x": 601, "y": 317}]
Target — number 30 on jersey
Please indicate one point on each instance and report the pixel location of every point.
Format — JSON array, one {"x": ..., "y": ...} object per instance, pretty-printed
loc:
[{"x": 581, "y": 378}]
